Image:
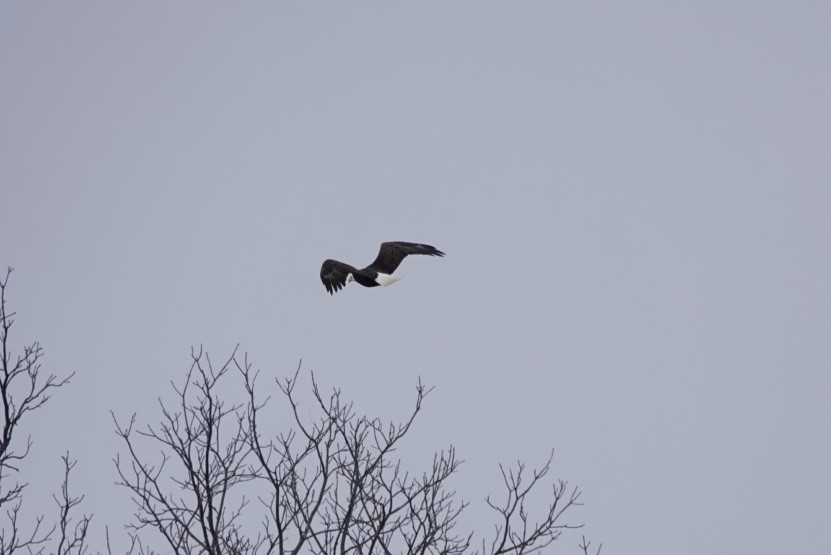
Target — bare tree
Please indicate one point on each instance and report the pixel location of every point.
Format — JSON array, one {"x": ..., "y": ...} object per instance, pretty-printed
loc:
[
  {"x": 335, "y": 489},
  {"x": 528, "y": 537},
  {"x": 330, "y": 484},
  {"x": 24, "y": 389},
  {"x": 200, "y": 519}
]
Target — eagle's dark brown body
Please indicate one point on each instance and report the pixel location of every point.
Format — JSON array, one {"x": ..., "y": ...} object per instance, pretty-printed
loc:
[{"x": 335, "y": 275}]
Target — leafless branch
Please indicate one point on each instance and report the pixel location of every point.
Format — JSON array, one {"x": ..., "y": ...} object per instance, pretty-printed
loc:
[
  {"x": 13, "y": 541},
  {"x": 329, "y": 484},
  {"x": 585, "y": 544},
  {"x": 206, "y": 466},
  {"x": 72, "y": 539},
  {"x": 515, "y": 532},
  {"x": 335, "y": 488},
  {"x": 23, "y": 389}
]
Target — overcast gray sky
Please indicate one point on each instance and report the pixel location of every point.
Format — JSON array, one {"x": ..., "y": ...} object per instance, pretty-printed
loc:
[{"x": 633, "y": 197}]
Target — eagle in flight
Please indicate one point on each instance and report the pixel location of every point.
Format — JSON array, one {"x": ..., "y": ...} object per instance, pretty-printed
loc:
[{"x": 335, "y": 275}]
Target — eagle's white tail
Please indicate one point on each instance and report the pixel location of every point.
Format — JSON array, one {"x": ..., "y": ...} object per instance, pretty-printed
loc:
[{"x": 386, "y": 279}]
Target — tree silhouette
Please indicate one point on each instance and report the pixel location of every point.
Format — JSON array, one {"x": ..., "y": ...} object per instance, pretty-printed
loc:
[
  {"x": 24, "y": 389},
  {"x": 328, "y": 485}
]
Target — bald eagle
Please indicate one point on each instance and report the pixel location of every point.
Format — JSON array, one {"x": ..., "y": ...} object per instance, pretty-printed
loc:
[{"x": 335, "y": 275}]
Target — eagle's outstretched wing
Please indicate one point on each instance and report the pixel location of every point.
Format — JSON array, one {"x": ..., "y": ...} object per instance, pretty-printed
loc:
[
  {"x": 333, "y": 275},
  {"x": 391, "y": 255}
]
